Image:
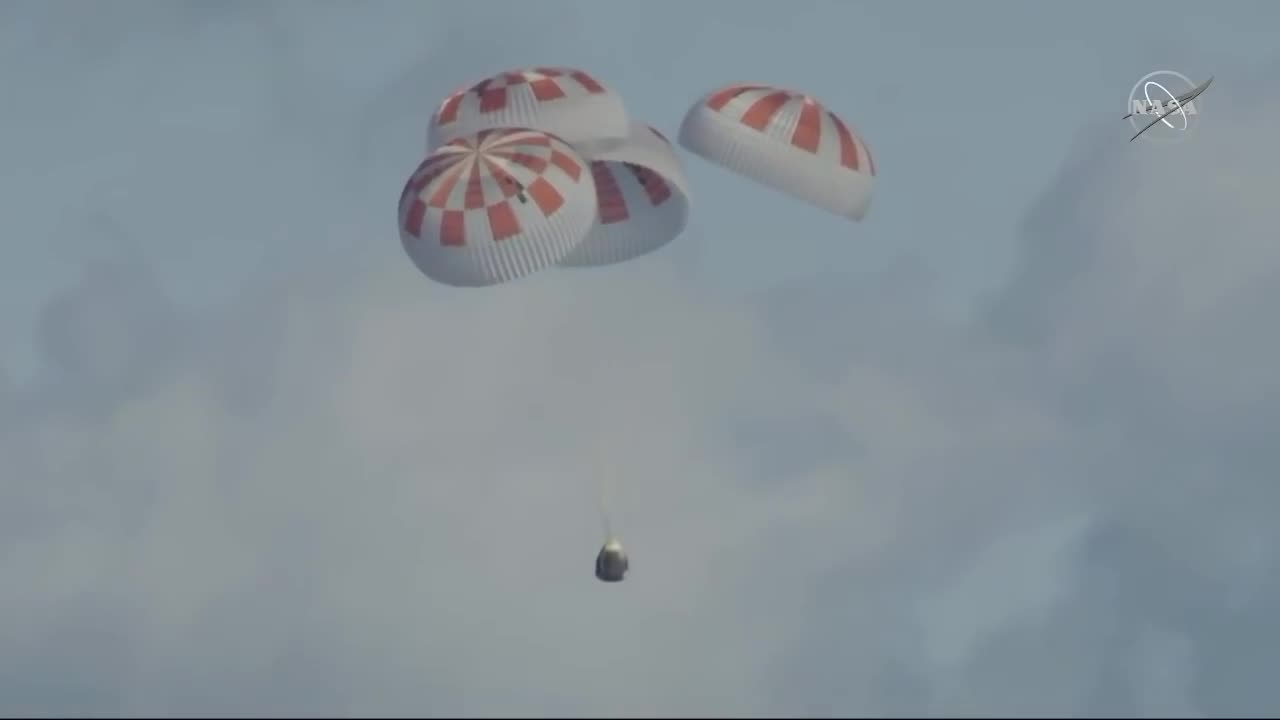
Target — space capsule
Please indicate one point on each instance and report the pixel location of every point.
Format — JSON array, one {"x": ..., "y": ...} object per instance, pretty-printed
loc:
[{"x": 611, "y": 563}]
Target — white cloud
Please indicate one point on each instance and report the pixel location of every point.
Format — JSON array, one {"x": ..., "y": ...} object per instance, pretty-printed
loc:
[{"x": 354, "y": 492}]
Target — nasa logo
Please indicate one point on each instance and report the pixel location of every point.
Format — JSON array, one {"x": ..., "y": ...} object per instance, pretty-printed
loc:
[{"x": 1157, "y": 94}]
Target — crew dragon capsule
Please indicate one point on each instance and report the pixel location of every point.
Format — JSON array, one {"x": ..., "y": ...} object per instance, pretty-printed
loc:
[
  {"x": 1173, "y": 106},
  {"x": 611, "y": 563}
]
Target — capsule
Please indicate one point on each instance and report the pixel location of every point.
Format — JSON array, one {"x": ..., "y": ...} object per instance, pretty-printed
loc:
[{"x": 611, "y": 563}]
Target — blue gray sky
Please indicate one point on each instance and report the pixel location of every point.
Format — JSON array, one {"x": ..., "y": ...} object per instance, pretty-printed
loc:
[{"x": 1003, "y": 447}]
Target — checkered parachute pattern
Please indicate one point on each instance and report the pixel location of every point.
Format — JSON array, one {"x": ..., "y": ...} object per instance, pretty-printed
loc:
[
  {"x": 643, "y": 200},
  {"x": 542, "y": 166},
  {"x": 565, "y": 102},
  {"x": 786, "y": 140},
  {"x": 496, "y": 206}
]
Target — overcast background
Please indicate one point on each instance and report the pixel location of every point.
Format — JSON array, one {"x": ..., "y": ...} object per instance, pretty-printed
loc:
[{"x": 1006, "y": 446}]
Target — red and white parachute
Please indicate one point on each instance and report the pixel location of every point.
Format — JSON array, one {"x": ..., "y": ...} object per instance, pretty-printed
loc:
[
  {"x": 496, "y": 206},
  {"x": 785, "y": 140},
  {"x": 565, "y": 102},
  {"x": 643, "y": 200}
]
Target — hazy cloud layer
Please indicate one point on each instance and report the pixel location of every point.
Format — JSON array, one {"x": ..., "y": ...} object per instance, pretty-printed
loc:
[{"x": 350, "y": 491}]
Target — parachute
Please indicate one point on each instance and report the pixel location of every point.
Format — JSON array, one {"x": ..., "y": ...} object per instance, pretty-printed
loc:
[
  {"x": 643, "y": 200},
  {"x": 785, "y": 140},
  {"x": 496, "y": 206},
  {"x": 542, "y": 169},
  {"x": 565, "y": 102}
]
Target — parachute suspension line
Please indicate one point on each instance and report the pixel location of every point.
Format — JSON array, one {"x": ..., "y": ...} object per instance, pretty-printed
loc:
[
  {"x": 604, "y": 460},
  {"x": 600, "y": 468},
  {"x": 606, "y": 518}
]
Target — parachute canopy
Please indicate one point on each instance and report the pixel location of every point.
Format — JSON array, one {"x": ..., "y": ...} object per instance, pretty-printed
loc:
[
  {"x": 564, "y": 102},
  {"x": 643, "y": 199},
  {"x": 495, "y": 206},
  {"x": 785, "y": 140}
]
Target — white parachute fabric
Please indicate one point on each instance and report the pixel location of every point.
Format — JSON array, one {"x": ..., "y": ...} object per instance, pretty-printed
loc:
[
  {"x": 643, "y": 198},
  {"x": 496, "y": 206},
  {"x": 565, "y": 102},
  {"x": 785, "y": 140}
]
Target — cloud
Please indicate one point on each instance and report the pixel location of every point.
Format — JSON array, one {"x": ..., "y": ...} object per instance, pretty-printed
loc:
[{"x": 349, "y": 491}]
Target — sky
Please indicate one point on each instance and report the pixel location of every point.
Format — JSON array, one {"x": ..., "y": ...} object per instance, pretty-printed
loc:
[{"x": 1001, "y": 448}]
